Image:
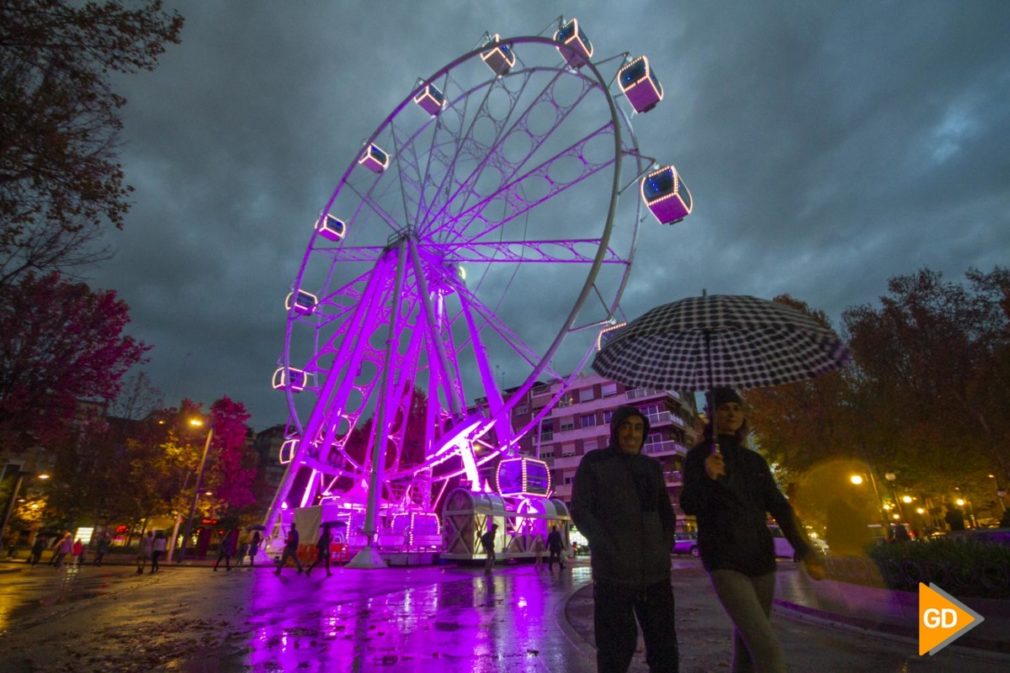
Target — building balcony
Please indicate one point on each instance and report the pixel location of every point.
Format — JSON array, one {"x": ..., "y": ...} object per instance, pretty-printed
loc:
[
  {"x": 641, "y": 393},
  {"x": 666, "y": 447},
  {"x": 665, "y": 418}
]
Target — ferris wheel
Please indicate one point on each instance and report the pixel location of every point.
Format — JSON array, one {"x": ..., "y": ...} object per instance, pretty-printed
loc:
[{"x": 484, "y": 232}]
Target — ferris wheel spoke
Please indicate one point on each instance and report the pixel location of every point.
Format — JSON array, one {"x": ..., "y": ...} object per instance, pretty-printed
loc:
[
  {"x": 403, "y": 178},
  {"x": 561, "y": 251},
  {"x": 461, "y": 142},
  {"x": 491, "y": 154},
  {"x": 521, "y": 124},
  {"x": 519, "y": 204},
  {"x": 513, "y": 340},
  {"x": 366, "y": 200}
]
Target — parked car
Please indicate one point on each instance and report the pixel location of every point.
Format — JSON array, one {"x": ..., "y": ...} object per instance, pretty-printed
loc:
[{"x": 686, "y": 543}]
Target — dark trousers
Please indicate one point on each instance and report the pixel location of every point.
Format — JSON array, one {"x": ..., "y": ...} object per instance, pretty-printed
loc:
[
  {"x": 555, "y": 555},
  {"x": 615, "y": 610},
  {"x": 155, "y": 557},
  {"x": 321, "y": 555}
]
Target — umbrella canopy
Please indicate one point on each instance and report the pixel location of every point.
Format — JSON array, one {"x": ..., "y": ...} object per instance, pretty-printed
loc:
[{"x": 711, "y": 341}]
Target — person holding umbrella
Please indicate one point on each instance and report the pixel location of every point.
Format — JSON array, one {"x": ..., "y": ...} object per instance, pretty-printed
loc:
[
  {"x": 730, "y": 489},
  {"x": 322, "y": 550}
]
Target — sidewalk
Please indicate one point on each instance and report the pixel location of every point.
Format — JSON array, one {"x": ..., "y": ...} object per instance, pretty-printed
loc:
[
  {"x": 884, "y": 611},
  {"x": 880, "y": 611}
]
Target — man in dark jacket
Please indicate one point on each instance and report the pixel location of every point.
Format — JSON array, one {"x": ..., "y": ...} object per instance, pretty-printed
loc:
[{"x": 620, "y": 504}]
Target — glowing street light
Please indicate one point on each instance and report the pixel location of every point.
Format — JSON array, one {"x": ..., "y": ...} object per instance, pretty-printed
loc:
[
  {"x": 856, "y": 479},
  {"x": 196, "y": 423}
]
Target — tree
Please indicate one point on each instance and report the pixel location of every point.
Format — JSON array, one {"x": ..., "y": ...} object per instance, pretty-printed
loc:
[
  {"x": 60, "y": 180},
  {"x": 138, "y": 398},
  {"x": 60, "y": 342},
  {"x": 803, "y": 423},
  {"x": 235, "y": 464},
  {"x": 938, "y": 353}
]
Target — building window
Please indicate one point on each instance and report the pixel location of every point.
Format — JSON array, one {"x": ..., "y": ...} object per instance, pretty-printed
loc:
[
  {"x": 567, "y": 450},
  {"x": 565, "y": 427},
  {"x": 609, "y": 389},
  {"x": 607, "y": 415},
  {"x": 586, "y": 395},
  {"x": 547, "y": 434},
  {"x": 587, "y": 421},
  {"x": 522, "y": 409}
]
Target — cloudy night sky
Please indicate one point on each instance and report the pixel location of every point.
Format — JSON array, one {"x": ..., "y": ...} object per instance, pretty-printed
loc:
[{"x": 829, "y": 146}]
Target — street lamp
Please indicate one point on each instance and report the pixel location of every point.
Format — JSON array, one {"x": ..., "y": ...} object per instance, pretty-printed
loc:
[{"x": 196, "y": 423}]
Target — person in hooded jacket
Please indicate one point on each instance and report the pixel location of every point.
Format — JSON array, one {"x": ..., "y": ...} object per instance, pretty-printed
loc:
[
  {"x": 731, "y": 491},
  {"x": 620, "y": 504}
]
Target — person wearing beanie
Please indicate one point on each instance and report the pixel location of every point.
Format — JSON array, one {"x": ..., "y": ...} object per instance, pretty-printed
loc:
[
  {"x": 731, "y": 492},
  {"x": 620, "y": 504}
]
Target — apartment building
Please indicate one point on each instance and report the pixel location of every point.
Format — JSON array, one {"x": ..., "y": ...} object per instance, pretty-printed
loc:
[{"x": 580, "y": 422}]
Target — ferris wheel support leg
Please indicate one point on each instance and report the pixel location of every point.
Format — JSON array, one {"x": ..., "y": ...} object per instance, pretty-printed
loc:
[
  {"x": 503, "y": 426},
  {"x": 369, "y": 557},
  {"x": 287, "y": 482},
  {"x": 429, "y": 314}
]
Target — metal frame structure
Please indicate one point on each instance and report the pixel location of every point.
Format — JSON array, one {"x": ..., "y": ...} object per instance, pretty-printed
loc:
[{"x": 403, "y": 330}]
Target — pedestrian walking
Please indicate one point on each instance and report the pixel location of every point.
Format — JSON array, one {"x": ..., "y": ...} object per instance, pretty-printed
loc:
[
  {"x": 227, "y": 549},
  {"x": 63, "y": 547},
  {"x": 487, "y": 541},
  {"x": 158, "y": 550},
  {"x": 37, "y": 548},
  {"x": 620, "y": 503},
  {"x": 290, "y": 550},
  {"x": 538, "y": 552},
  {"x": 144, "y": 551},
  {"x": 322, "y": 550},
  {"x": 254, "y": 547},
  {"x": 555, "y": 545},
  {"x": 243, "y": 548},
  {"x": 77, "y": 551},
  {"x": 731, "y": 491},
  {"x": 101, "y": 549}
]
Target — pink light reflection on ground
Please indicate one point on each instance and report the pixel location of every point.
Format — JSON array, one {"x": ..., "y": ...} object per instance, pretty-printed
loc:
[{"x": 411, "y": 619}]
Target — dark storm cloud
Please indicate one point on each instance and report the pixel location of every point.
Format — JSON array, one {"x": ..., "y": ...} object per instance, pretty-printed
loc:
[{"x": 829, "y": 146}]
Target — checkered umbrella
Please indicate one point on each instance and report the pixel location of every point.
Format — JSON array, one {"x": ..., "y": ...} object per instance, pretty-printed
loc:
[{"x": 705, "y": 342}]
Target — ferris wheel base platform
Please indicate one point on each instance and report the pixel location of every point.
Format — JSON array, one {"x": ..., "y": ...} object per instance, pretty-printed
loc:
[{"x": 368, "y": 557}]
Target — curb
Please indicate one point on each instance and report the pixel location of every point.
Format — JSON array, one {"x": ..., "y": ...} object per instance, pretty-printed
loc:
[{"x": 968, "y": 641}]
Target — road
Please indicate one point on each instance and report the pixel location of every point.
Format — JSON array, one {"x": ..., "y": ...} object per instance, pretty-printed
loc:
[{"x": 445, "y": 618}]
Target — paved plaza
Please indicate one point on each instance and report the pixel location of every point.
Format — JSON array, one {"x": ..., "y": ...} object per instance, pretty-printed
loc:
[{"x": 444, "y": 618}]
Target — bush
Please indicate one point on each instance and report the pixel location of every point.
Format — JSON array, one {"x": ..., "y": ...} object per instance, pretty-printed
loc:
[{"x": 962, "y": 567}]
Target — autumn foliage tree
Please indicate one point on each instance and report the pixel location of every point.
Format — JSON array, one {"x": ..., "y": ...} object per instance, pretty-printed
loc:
[
  {"x": 60, "y": 179},
  {"x": 60, "y": 342},
  {"x": 937, "y": 353},
  {"x": 924, "y": 397}
]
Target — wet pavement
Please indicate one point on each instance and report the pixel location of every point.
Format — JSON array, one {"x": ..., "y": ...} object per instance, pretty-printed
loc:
[{"x": 442, "y": 618}]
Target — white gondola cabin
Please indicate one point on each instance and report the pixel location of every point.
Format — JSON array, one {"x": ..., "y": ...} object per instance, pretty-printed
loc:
[
  {"x": 287, "y": 452},
  {"x": 578, "y": 49},
  {"x": 640, "y": 85},
  {"x": 523, "y": 476},
  {"x": 430, "y": 99},
  {"x": 331, "y": 227},
  {"x": 466, "y": 515},
  {"x": 374, "y": 158},
  {"x": 498, "y": 56},
  {"x": 301, "y": 302},
  {"x": 666, "y": 195},
  {"x": 289, "y": 378}
]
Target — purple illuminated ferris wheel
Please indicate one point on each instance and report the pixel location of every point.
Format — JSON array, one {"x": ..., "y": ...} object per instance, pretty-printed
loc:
[{"x": 483, "y": 233}]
